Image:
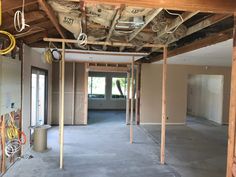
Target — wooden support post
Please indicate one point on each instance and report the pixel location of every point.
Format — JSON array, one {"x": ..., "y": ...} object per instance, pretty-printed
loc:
[
  {"x": 132, "y": 102},
  {"x": 163, "y": 117},
  {"x": 137, "y": 94},
  {"x": 127, "y": 99},
  {"x": 86, "y": 94},
  {"x": 73, "y": 93},
  {"x": 3, "y": 138},
  {"x": 62, "y": 105},
  {"x": 232, "y": 110}
]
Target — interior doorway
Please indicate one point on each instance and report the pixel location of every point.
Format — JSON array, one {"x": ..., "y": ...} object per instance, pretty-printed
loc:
[
  {"x": 38, "y": 97},
  {"x": 107, "y": 93},
  {"x": 205, "y": 97}
]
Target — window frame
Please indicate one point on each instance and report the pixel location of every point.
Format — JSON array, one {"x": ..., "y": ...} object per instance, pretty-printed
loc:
[
  {"x": 94, "y": 98},
  {"x": 119, "y": 99}
]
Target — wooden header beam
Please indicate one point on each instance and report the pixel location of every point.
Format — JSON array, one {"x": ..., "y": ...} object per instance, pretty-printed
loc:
[
  {"x": 213, "y": 6},
  {"x": 111, "y": 69},
  {"x": 211, "y": 40},
  {"x": 100, "y": 42}
]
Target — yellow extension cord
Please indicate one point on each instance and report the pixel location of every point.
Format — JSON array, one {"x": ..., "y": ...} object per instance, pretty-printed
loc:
[
  {"x": 12, "y": 131},
  {"x": 10, "y": 36}
]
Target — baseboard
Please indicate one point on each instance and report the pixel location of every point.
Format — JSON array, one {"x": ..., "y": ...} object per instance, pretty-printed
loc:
[{"x": 169, "y": 123}]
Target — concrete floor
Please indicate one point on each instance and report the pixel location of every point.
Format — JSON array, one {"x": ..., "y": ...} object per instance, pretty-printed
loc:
[
  {"x": 197, "y": 149},
  {"x": 101, "y": 149}
]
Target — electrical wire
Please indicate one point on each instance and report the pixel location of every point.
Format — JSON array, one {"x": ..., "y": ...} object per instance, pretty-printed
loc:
[
  {"x": 11, "y": 45},
  {"x": 12, "y": 147},
  {"x": 31, "y": 29},
  {"x": 175, "y": 14},
  {"x": 82, "y": 38},
  {"x": 19, "y": 19}
]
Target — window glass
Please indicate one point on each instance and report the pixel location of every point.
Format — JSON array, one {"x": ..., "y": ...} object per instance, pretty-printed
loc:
[
  {"x": 96, "y": 87},
  {"x": 119, "y": 88}
]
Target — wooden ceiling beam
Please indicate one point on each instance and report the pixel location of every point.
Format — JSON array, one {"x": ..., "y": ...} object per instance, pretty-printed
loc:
[
  {"x": 178, "y": 21},
  {"x": 8, "y": 5},
  {"x": 29, "y": 17},
  {"x": 200, "y": 26},
  {"x": 51, "y": 15},
  {"x": 113, "y": 24},
  {"x": 148, "y": 19},
  {"x": 210, "y": 40},
  {"x": 116, "y": 44},
  {"x": 216, "y": 6}
]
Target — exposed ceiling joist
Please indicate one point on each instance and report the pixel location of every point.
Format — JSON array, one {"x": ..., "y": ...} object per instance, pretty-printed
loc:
[
  {"x": 216, "y": 6},
  {"x": 33, "y": 31},
  {"x": 50, "y": 13},
  {"x": 201, "y": 25},
  {"x": 178, "y": 21},
  {"x": 148, "y": 19},
  {"x": 113, "y": 24},
  {"x": 8, "y": 5},
  {"x": 29, "y": 17},
  {"x": 210, "y": 40}
]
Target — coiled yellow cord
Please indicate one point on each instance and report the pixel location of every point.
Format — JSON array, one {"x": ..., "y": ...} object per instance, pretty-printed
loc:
[
  {"x": 12, "y": 131},
  {"x": 12, "y": 44}
]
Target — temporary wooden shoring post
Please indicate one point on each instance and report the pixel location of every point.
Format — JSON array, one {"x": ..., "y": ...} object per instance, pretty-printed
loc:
[
  {"x": 86, "y": 93},
  {"x": 127, "y": 99},
  {"x": 3, "y": 167},
  {"x": 163, "y": 117},
  {"x": 132, "y": 102},
  {"x": 137, "y": 93},
  {"x": 73, "y": 93},
  {"x": 232, "y": 111},
  {"x": 62, "y": 105}
]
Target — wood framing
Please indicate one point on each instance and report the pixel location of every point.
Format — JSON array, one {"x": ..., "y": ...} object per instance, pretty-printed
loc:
[
  {"x": 8, "y": 5},
  {"x": 217, "y": 6},
  {"x": 232, "y": 111},
  {"x": 127, "y": 99},
  {"x": 86, "y": 94},
  {"x": 148, "y": 19},
  {"x": 163, "y": 117},
  {"x": 211, "y": 40},
  {"x": 132, "y": 104},
  {"x": 126, "y": 44},
  {"x": 178, "y": 21},
  {"x": 201, "y": 25},
  {"x": 62, "y": 106},
  {"x": 73, "y": 93},
  {"x": 3, "y": 143},
  {"x": 51, "y": 15},
  {"x": 113, "y": 24},
  {"x": 108, "y": 69}
]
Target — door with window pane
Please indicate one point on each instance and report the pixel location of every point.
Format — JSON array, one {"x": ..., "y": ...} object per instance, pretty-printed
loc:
[{"x": 38, "y": 97}]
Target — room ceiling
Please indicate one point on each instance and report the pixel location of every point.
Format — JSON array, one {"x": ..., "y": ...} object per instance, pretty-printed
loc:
[
  {"x": 216, "y": 55},
  {"x": 120, "y": 28}
]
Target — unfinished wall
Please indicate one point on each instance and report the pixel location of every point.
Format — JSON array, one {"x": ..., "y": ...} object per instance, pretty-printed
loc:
[
  {"x": 108, "y": 102},
  {"x": 151, "y": 85},
  {"x": 75, "y": 97},
  {"x": 10, "y": 84},
  {"x": 205, "y": 96},
  {"x": 31, "y": 59}
]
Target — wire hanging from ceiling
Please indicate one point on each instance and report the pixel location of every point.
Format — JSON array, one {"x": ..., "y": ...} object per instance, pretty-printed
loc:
[
  {"x": 19, "y": 19},
  {"x": 175, "y": 14},
  {"x": 82, "y": 38}
]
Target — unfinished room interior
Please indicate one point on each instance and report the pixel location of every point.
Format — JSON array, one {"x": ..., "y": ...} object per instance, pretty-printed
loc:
[{"x": 117, "y": 88}]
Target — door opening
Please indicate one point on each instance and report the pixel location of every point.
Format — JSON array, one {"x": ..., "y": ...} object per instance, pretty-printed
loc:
[{"x": 38, "y": 97}]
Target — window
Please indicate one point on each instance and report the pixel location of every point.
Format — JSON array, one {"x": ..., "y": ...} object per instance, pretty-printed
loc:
[
  {"x": 119, "y": 88},
  {"x": 96, "y": 87}
]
